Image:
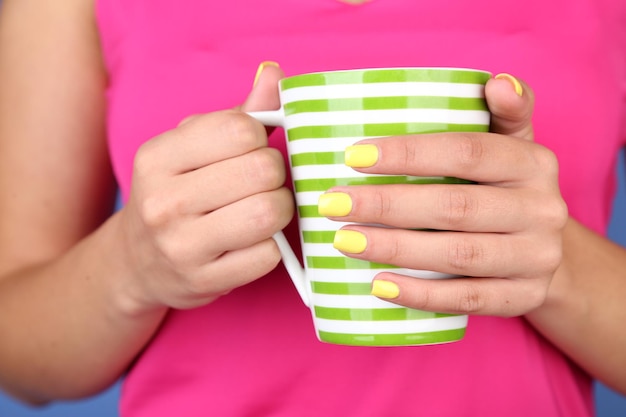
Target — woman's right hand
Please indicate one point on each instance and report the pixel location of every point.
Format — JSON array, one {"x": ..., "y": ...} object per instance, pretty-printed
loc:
[{"x": 206, "y": 199}]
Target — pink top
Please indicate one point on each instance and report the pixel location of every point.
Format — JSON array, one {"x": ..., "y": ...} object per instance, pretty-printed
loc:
[{"x": 254, "y": 351}]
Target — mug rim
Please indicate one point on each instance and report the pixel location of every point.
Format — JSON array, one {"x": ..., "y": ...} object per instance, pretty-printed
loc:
[
  {"x": 455, "y": 75},
  {"x": 402, "y": 68}
]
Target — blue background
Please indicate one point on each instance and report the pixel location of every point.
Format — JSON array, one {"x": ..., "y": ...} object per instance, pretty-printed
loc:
[{"x": 609, "y": 403}]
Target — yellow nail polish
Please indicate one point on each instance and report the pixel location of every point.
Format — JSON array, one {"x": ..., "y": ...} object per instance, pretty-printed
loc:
[
  {"x": 262, "y": 66},
  {"x": 334, "y": 204},
  {"x": 361, "y": 156},
  {"x": 385, "y": 289},
  {"x": 350, "y": 241},
  {"x": 516, "y": 84}
]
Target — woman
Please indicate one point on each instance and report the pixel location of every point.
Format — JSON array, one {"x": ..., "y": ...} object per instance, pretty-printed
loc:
[{"x": 168, "y": 288}]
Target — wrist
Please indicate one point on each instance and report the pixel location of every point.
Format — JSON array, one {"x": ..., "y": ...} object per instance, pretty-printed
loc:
[{"x": 128, "y": 294}]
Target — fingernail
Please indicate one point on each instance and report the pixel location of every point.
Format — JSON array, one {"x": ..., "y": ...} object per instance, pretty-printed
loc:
[
  {"x": 350, "y": 241},
  {"x": 361, "y": 156},
  {"x": 262, "y": 66},
  {"x": 385, "y": 289},
  {"x": 516, "y": 84},
  {"x": 334, "y": 204}
]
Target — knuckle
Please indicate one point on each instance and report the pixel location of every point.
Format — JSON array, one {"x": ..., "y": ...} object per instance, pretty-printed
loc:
[
  {"x": 463, "y": 254},
  {"x": 556, "y": 212},
  {"x": 271, "y": 257},
  {"x": 395, "y": 252},
  {"x": 145, "y": 162},
  {"x": 469, "y": 299},
  {"x": 382, "y": 207},
  {"x": 157, "y": 211},
  {"x": 153, "y": 212},
  {"x": 470, "y": 151},
  {"x": 534, "y": 297},
  {"x": 456, "y": 206},
  {"x": 242, "y": 128},
  {"x": 264, "y": 215},
  {"x": 551, "y": 257},
  {"x": 546, "y": 161},
  {"x": 286, "y": 205},
  {"x": 425, "y": 300},
  {"x": 409, "y": 153},
  {"x": 178, "y": 254},
  {"x": 266, "y": 168}
]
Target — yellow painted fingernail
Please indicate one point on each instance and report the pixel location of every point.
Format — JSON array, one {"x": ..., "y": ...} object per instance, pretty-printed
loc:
[
  {"x": 334, "y": 204},
  {"x": 361, "y": 156},
  {"x": 516, "y": 84},
  {"x": 262, "y": 66},
  {"x": 385, "y": 289},
  {"x": 350, "y": 241}
]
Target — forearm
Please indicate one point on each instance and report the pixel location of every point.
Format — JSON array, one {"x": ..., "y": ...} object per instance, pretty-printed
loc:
[
  {"x": 584, "y": 313},
  {"x": 90, "y": 333}
]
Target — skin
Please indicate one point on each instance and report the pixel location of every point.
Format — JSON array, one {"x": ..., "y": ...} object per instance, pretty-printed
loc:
[{"x": 172, "y": 246}]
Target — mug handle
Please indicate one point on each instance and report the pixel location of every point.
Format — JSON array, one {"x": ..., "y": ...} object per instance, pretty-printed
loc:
[
  {"x": 290, "y": 260},
  {"x": 269, "y": 117}
]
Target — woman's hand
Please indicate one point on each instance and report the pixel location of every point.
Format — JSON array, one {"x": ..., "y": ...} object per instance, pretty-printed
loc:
[
  {"x": 503, "y": 234},
  {"x": 205, "y": 201}
]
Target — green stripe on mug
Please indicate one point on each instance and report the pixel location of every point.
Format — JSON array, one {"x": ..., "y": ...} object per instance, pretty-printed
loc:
[
  {"x": 317, "y": 158},
  {"x": 386, "y": 103},
  {"x": 343, "y": 288},
  {"x": 422, "y": 338},
  {"x": 323, "y": 184},
  {"x": 375, "y": 314},
  {"x": 342, "y": 262},
  {"x": 314, "y": 236},
  {"x": 432, "y": 75},
  {"x": 308, "y": 211},
  {"x": 378, "y": 129}
]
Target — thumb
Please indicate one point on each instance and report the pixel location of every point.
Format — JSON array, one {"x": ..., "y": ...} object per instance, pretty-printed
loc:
[
  {"x": 264, "y": 94},
  {"x": 511, "y": 103}
]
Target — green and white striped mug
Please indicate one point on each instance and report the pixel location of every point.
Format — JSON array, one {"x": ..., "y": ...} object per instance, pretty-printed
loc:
[{"x": 322, "y": 114}]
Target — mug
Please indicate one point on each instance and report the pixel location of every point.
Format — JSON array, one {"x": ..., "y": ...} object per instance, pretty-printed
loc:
[{"x": 324, "y": 113}]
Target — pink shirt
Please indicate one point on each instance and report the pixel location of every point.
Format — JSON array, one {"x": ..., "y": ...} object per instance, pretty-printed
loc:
[{"x": 254, "y": 352}]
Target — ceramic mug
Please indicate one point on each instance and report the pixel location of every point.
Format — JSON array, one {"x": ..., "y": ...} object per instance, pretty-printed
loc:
[{"x": 324, "y": 113}]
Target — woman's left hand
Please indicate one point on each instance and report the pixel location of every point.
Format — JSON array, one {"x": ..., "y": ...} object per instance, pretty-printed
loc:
[{"x": 502, "y": 233}]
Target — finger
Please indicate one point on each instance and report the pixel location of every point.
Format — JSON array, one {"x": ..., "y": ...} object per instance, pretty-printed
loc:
[
  {"x": 264, "y": 94},
  {"x": 511, "y": 102},
  {"x": 257, "y": 260},
  {"x": 231, "y": 270},
  {"x": 456, "y": 253},
  {"x": 246, "y": 222},
  {"x": 469, "y": 208},
  {"x": 479, "y": 157},
  {"x": 200, "y": 141},
  {"x": 476, "y": 296},
  {"x": 225, "y": 182}
]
